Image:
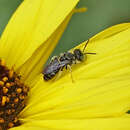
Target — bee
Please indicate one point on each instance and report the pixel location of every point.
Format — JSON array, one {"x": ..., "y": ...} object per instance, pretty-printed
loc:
[{"x": 65, "y": 60}]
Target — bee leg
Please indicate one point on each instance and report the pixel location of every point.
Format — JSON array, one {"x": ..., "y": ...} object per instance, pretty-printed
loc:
[
  {"x": 53, "y": 58},
  {"x": 59, "y": 74},
  {"x": 70, "y": 72}
]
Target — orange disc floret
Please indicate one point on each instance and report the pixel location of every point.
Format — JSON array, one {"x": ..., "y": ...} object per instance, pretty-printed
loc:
[{"x": 13, "y": 95}]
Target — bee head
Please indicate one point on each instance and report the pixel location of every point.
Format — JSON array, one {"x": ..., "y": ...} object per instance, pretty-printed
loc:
[{"x": 78, "y": 55}]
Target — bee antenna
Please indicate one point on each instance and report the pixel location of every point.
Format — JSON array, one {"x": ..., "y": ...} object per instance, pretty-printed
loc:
[
  {"x": 85, "y": 45},
  {"x": 89, "y": 53}
]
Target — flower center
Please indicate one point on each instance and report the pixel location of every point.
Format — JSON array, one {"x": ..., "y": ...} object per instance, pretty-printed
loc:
[{"x": 12, "y": 97}]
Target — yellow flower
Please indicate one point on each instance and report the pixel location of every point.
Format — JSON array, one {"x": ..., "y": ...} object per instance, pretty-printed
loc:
[
  {"x": 100, "y": 95},
  {"x": 25, "y": 45}
]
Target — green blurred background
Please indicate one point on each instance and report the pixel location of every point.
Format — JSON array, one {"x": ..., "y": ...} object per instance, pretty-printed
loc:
[{"x": 100, "y": 15}]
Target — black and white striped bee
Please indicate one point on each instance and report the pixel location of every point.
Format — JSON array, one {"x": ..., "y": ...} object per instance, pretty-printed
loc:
[{"x": 65, "y": 60}]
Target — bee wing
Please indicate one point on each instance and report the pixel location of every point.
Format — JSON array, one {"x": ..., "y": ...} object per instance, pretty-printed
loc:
[
  {"x": 55, "y": 66},
  {"x": 64, "y": 63}
]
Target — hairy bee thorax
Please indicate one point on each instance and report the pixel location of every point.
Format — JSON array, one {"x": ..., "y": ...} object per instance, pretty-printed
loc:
[
  {"x": 12, "y": 97},
  {"x": 74, "y": 56}
]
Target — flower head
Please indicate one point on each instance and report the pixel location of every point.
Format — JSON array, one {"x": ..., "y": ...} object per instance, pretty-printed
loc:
[{"x": 98, "y": 98}]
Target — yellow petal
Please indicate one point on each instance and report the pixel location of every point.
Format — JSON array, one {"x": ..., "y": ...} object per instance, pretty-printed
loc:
[
  {"x": 31, "y": 25},
  {"x": 104, "y": 97},
  {"x": 111, "y": 31},
  {"x": 22, "y": 127},
  {"x": 34, "y": 66},
  {"x": 101, "y": 85},
  {"x": 119, "y": 123}
]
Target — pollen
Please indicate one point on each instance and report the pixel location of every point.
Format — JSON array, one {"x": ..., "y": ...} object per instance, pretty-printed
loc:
[
  {"x": 13, "y": 96},
  {"x": 1, "y": 83},
  {"x": 18, "y": 90}
]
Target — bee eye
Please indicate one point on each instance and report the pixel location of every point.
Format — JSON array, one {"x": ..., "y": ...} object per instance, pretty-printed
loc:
[{"x": 78, "y": 54}]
